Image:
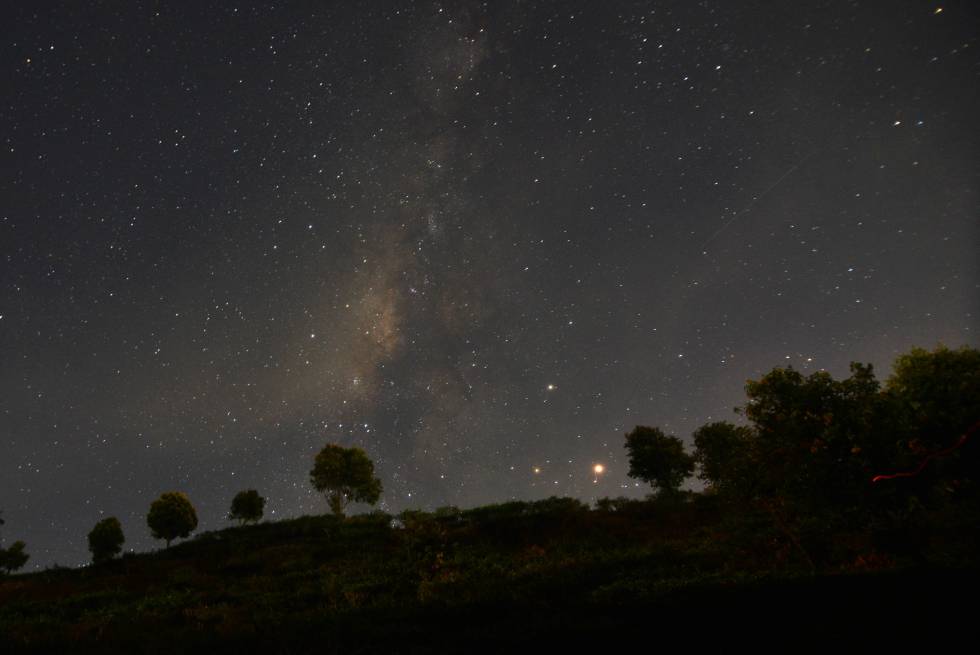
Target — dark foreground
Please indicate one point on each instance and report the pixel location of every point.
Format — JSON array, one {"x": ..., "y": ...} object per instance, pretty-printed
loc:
[{"x": 523, "y": 577}]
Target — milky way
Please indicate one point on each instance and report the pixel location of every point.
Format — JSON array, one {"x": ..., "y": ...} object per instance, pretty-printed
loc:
[{"x": 479, "y": 240}]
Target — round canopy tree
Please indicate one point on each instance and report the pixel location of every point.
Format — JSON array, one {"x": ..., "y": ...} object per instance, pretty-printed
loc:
[
  {"x": 247, "y": 506},
  {"x": 105, "y": 540},
  {"x": 14, "y": 557},
  {"x": 658, "y": 459},
  {"x": 171, "y": 516},
  {"x": 345, "y": 475}
]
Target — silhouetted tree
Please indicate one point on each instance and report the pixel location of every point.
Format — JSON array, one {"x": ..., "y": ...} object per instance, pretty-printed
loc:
[
  {"x": 14, "y": 557},
  {"x": 939, "y": 392},
  {"x": 105, "y": 540},
  {"x": 723, "y": 454},
  {"x": 815, "y": 439},
  {"x": 171, "y": 516},
  {"x": 937, "y": 396},
  {"x": 658, "y": 459},
  {"x": 247, "y": 506},
  {"x": 345, "y": 475}
]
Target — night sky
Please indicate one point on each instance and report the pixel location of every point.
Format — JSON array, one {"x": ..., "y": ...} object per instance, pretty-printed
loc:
[{"x": 481, "y": 241}]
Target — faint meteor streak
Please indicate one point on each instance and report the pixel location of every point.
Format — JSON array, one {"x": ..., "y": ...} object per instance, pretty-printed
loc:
[{"x": 757, "y": 199}]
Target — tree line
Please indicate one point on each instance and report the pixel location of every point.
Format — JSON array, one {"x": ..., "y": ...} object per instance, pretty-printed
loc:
[
  {"x": 344, "y": 475},
  {"x": 810, "y": 449},
  {"x": 819, "y": 454},
  {"x": 819, "y": 441}
]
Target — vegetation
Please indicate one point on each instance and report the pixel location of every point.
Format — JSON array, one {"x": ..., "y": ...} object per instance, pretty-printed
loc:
[
  {"x": 171, "y": 516},
  {"x": 658, "y": 459},
  {"x": 345, "y": 475},
  {"x": 813, "y": 436},
  {"x": 501, "y": 576},
  {"x": 837, "y": 503},
  {"x": 721, "y": 455},
  {"x": 247, "y": 506},
  {"x": 935, "y": 398},
  {"x": 105, "y": 540},
  {"x": 14, "y": 557}
]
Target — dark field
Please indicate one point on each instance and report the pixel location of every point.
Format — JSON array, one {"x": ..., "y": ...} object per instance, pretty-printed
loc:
[{"x": 520, "y": 576}]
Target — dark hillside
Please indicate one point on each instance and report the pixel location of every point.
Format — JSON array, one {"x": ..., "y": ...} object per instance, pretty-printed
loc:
[{"x": 487, "y": 579}]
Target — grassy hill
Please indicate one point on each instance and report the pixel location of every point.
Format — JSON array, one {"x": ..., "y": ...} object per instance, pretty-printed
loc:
[{"x": 542, "y": 575}]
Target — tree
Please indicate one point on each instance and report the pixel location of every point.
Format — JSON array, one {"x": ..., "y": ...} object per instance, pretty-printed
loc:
[
  {"x": 14, "y": 557},
  {"x": 105, "y": 540},
  {"x": 937, "y": 395},
  {"x": 722, "y": 452},
  {"x": 345, "y": 475},
  {"x": 939, "y": 392},
  {"x": 247, "y": 506},
  {"x": 658, "y": 459},
  {"x": 815, "y": 439},
  {"x": 171, "y": 516}
]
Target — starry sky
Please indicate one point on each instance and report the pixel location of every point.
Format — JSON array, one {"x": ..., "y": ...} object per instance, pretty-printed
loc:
[{"x": 481, "y": 241}]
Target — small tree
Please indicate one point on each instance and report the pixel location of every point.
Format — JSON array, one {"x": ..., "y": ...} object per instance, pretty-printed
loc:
[
  {"x": 345, "y": 475},
  {"x": 247, "y": 506},
  {"x": 105, "y": 540},
  {"x": 171, "y": 516},
  {"x": 658, "y": 459},
  {"x": 14, "y": 557}
]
